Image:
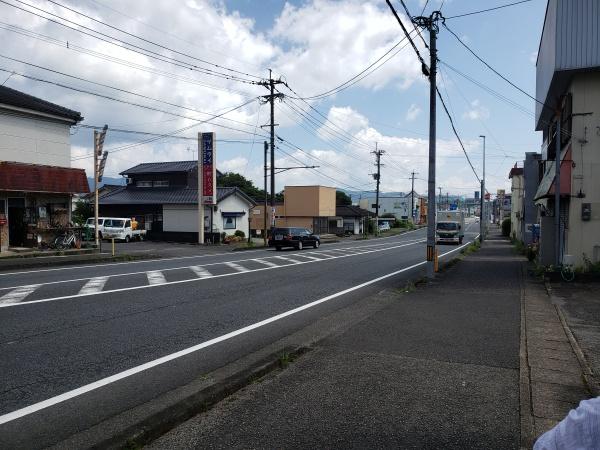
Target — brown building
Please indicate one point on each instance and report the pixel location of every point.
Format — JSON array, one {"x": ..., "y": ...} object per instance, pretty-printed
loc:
[{"x": 311, "y": 207}]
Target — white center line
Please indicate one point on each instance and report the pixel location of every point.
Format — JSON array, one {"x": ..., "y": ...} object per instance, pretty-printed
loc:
[
  {"x": 265, "y": 262},
  {"x": 18, "y": 294},
  {"x": 200, "y": 272},
  {"x": 93, "y": 285},
  {"x": 236, "y": 267},
  {"x": 156, "y": 277},
  {"x": 284, "y": 258}
]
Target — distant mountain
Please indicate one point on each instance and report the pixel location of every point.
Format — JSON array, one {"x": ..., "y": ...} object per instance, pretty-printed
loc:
[{"x": 107, "y": 180}]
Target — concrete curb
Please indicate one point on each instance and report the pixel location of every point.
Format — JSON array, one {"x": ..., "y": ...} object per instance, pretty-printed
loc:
[
  {"x": 167, "y": 411},
  {"x": 32, "y": 263},
  {"x": 591, "y": 380},
  {"x": 525, "y": 402}
]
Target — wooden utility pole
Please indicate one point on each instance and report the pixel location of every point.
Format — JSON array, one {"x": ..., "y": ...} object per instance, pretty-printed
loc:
[
  {"x": 266, "y": 195},
  {"x": 99, "y": 137},
  {"x": 412, "y": 195},
  {"x": 270, "y": 84},
  {"x": 377, "y": 177}
]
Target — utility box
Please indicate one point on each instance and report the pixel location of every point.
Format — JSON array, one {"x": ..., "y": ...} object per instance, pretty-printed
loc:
[{"x": 586, "y": 211}]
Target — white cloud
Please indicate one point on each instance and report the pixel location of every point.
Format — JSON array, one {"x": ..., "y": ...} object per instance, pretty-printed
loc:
[
  {"x": 344, "y": 120},
  {"x": 476, "y": 112},
  {"x": 413, "y": 112}
]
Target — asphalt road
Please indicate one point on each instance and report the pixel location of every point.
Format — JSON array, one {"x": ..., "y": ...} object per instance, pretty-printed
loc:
[{"x": 81, "y": 344}]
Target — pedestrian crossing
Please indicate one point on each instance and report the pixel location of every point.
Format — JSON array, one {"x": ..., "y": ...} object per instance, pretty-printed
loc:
[{"x": 132, "y": 280}]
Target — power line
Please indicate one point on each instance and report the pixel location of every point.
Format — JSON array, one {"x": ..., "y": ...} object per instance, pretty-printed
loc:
[
  {"x": 141, "y": 50},
  {"x": 491, "y": 68},
  {"x": 456, "y": 134},
  {"x": 70, "y": 46},
  {"x": 149, "y": 41},
  {"x": 164, "y": 135},
  {"x": 54, "y": 83},
  {"x": 358, "y": 77},
  {"x": 114, "y": 88},
  {"x": 487, "y": 10}
]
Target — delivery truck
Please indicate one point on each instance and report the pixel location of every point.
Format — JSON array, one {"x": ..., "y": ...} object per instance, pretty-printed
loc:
[{"x": 450, "y": 227}]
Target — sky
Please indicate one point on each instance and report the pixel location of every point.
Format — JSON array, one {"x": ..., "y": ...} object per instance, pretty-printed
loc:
[{"x": 169, "y": 68}]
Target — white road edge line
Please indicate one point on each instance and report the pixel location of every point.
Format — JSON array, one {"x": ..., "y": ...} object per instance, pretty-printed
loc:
[
  {"x": 189, "y": 280},
  {"x": 157, "y": 362}
]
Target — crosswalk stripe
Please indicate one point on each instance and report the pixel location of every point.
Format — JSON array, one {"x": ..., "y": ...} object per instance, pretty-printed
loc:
[
  {"x": 327, "y": 255},
  {"x": 311, "y": 257},
  {"x": 201, "y": 272},
  {"x": 265, "y": 262},
  {"x": 93, "y": 285},
  {"x": 284, "y": 258},
  {"x": 156, "y": 277},
  {"x": 236, "y": 267},
  {"x": 18, "y": 294}
]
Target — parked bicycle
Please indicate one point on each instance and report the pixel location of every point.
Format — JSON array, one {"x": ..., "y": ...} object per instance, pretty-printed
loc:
[{"x": 65, "y": 240}]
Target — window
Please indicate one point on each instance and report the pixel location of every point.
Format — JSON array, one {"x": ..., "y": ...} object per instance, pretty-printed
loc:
[
  {"x": 161, "y": 183},
  {"x": 143, "y": 183},
  {"x": 229, "y": 223},
  {"x": 128, "y": 224}
]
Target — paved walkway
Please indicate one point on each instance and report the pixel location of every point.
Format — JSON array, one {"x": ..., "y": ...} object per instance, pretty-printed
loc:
[{"x": 437, "y": 368}]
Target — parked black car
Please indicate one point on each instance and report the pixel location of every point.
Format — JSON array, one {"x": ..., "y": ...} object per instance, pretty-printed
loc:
[{"x": 293, "y": 237}]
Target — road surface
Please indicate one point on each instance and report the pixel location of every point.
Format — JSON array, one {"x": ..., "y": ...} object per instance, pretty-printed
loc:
[{"x": 82, "y": 344}]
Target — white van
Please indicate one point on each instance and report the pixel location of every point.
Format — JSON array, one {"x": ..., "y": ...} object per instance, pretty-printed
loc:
[
  {"x": 122, "y": 228},
  {"x": 90, "y": 224}
]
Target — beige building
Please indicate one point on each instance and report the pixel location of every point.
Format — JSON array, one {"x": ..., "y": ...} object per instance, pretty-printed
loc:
[
  {"x": 569, "y": 81},
  {"x": 311, "y": 207}
]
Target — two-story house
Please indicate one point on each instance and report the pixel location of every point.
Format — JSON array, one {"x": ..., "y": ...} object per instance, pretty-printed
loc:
[
  {"x": 36, "y": 178},
  {"x": 163, "y": 197},
  {"x": 568, "y": 87}
]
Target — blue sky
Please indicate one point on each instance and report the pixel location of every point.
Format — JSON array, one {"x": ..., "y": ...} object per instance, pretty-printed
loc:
[{"x": 314, "y": 46}]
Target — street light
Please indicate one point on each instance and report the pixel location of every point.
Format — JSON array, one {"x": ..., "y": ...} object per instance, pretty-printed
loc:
[{"x": 482, "y": 226}]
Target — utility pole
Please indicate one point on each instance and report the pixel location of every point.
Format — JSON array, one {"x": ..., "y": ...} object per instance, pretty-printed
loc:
[
  {"x": 447, "y": 201},
  {"x": 270, "y": 84},
  {"x": 377, "y": 177},
  {"x": 99, "y": 137},
  {"x": 412, "y": 195},
  {"x": 440, "y": 199},
  {"x": 431, "y": 23},
  {"x": 266, "y": 144},
  {"x": 481, "y": 213}
]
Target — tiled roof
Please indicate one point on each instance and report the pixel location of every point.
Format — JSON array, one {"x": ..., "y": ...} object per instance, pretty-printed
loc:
[
  {"x": 161, "y": 167},
  {"x": 16, "y": 176},
  {"x": 129, "y": 195},
  {"x": 352, "y": 211},
  {"x": 19, "y": 99}
]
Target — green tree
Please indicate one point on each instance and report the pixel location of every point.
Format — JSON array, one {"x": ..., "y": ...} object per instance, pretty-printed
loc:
[
  {"x": 82, "y": 211},
  {"x": 342, "y": 199},
  {"x": 232, "y": 179}
]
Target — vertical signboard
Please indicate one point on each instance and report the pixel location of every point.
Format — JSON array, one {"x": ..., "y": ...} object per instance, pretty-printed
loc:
[{"x": 209, "y": 170}]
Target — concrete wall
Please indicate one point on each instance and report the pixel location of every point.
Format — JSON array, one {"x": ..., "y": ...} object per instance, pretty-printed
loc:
[
  {"x": 398, "y": 206},
  {"x": 516, "y": 207},
  {"x": 184, "y": 218},
  {"x": 326, "y": 201},
  {"x": 582, "y": 237},
  {"x": 35, "y": 141},
  {"x": 531, "y": 172},
  {"x": 309, "y": 201}
]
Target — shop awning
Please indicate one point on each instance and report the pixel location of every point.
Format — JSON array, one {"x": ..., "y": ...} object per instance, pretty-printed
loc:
[
  {"x": 546, "y": 187},
  {"x": 23, "y": 177},
  {"x": 233, "y": 214}
]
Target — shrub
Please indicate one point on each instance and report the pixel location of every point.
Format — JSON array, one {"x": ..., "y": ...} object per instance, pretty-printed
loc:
[
  {"x": 506, "y": 227},
  {"x": 239, "y": 233}
]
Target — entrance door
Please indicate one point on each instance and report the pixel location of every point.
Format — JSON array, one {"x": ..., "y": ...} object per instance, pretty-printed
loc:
[{"x": 17, "y": 228}]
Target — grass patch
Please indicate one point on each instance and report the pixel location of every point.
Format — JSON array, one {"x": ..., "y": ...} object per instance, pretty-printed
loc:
[{"x": 471, "y": 248}]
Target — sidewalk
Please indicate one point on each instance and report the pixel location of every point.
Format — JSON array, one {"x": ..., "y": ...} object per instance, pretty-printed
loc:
[{"x": 436, "y": 368}]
